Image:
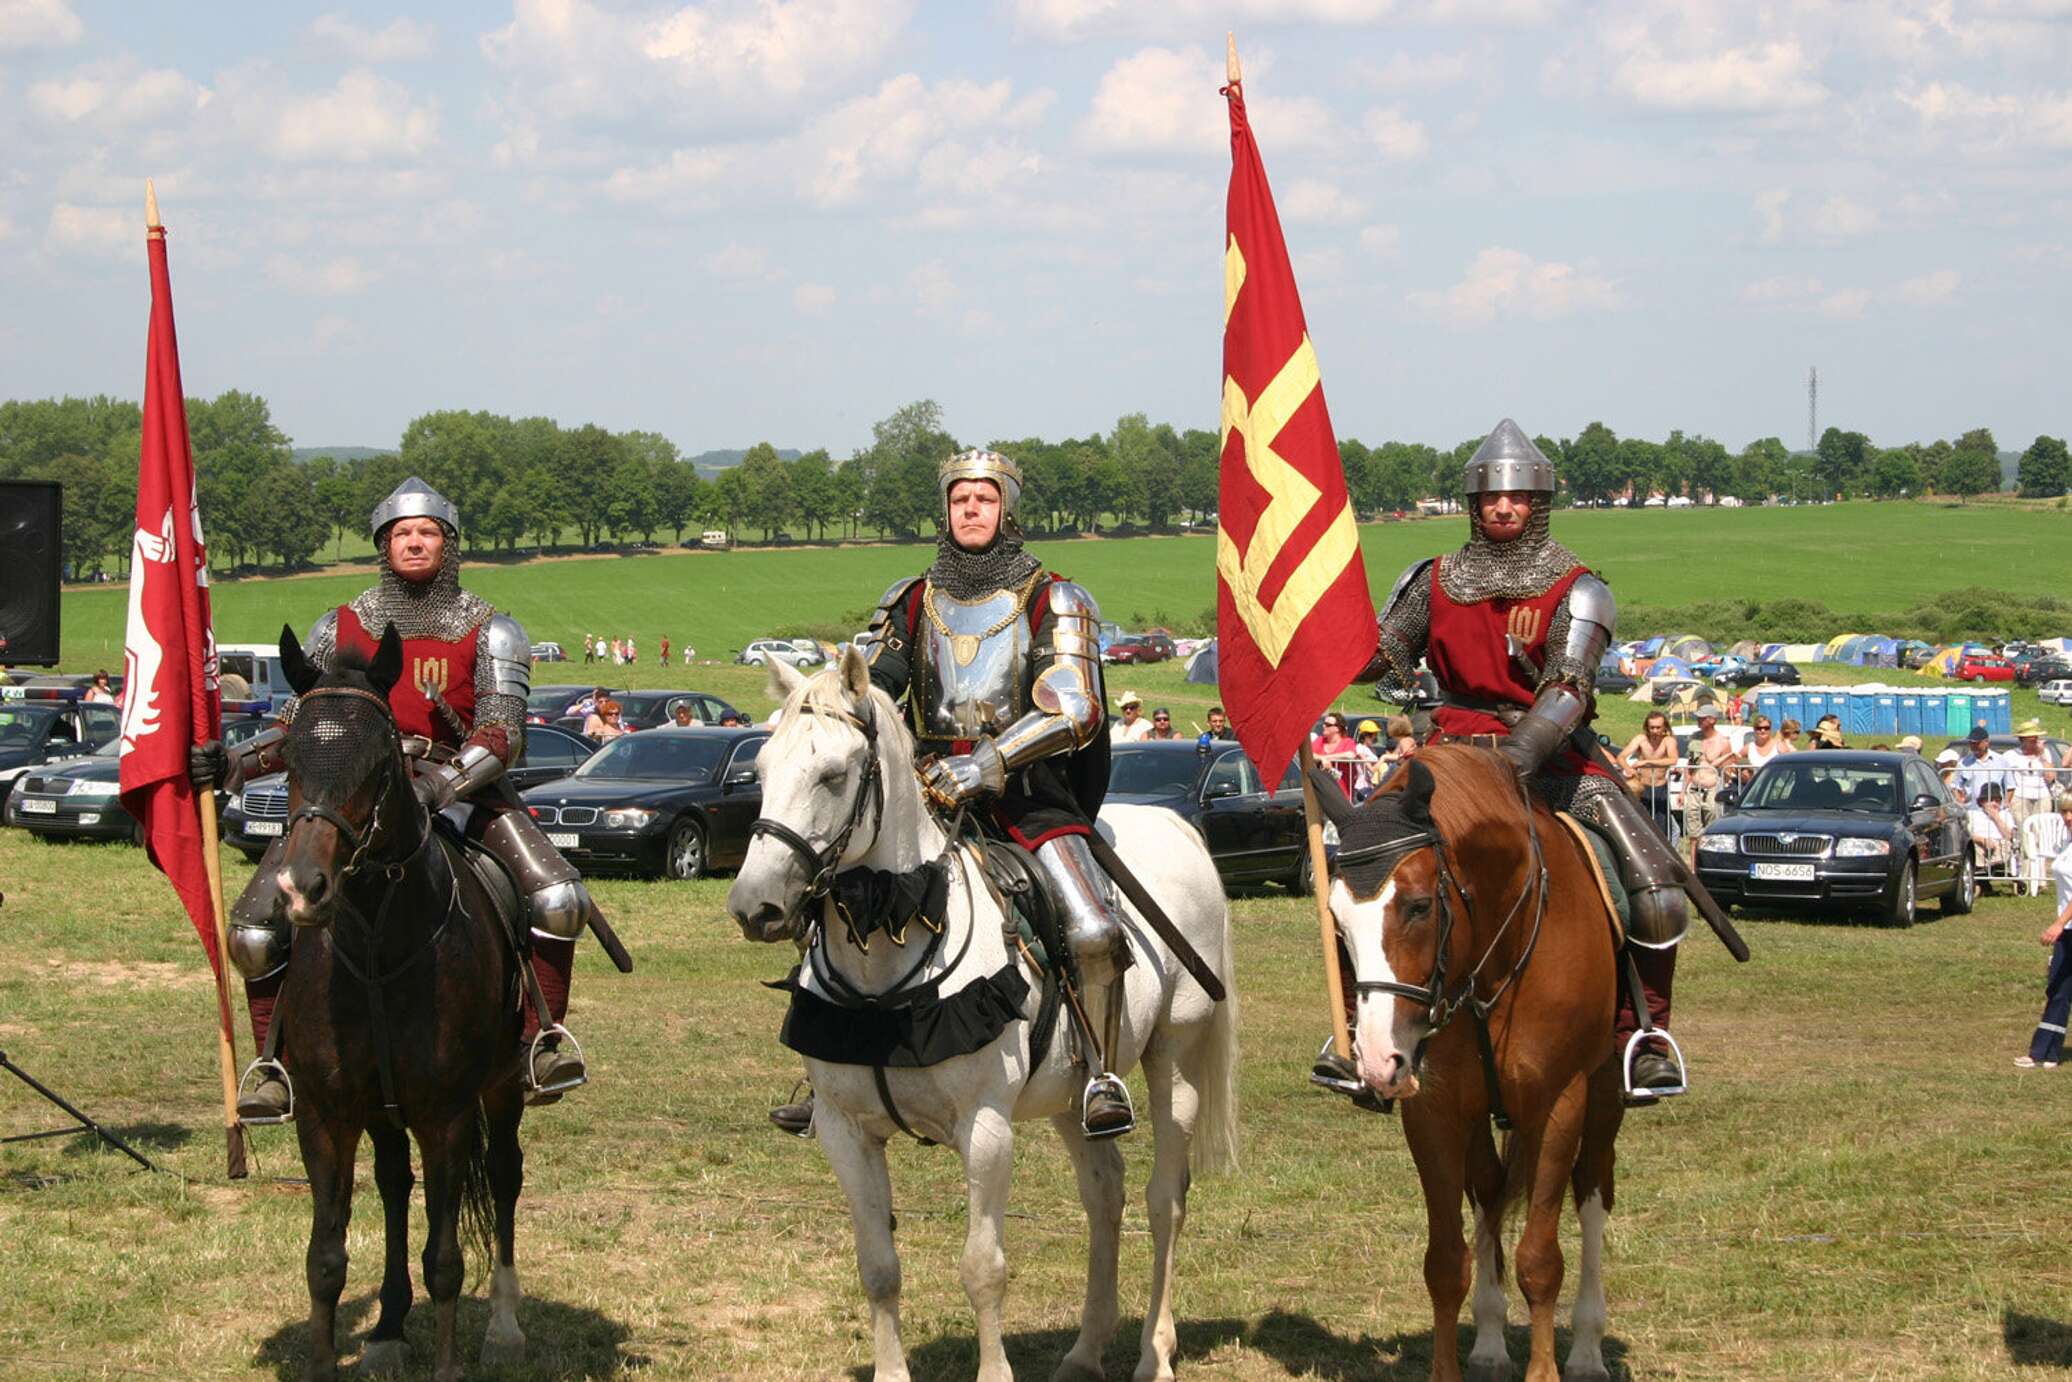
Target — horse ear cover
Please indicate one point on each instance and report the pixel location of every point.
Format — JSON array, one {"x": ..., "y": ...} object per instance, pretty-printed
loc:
[
  {"x": 1330, "y": 797},
  {"x": 295, "y": 664},
  {"x": 1417, "y": 796},
  {"x": 387, "y": 665}
]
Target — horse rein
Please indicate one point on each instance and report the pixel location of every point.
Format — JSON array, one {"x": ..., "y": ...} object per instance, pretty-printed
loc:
[
  {"x": 356, "y": 843},
  {"x": 1440, "y": 1007},
  {"x": 823, "y": 863}
]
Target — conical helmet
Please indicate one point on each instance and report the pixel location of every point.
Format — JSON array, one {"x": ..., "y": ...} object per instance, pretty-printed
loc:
[
  {"x": 1508, "y": 460},
  {"x": 415, "y": 499}
]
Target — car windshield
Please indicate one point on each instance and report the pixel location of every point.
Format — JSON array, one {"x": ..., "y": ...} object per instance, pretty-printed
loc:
[
  {"x": 553, "y": 700},
  {"x": 25, "y": 728},
  {"x": 1152, "y": 772},
  {"x": 1803, "y": 783},
  {"x": 656, "y": 757}
]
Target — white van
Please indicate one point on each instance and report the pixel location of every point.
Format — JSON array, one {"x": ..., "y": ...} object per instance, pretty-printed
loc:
[
  {"x": 714, "y": 538},
  {"x": 2055, "y": 693}
]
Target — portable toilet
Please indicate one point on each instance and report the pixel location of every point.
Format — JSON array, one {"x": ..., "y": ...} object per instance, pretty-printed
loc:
[
  {"x": 1888, "y": 710},
  {"x": 1770, "y": 701},
  {"x": 1959, "y": 715},
  {"x": 1821, "y": 702},
  {"x": 1935, "y": 716},
  {"x": 1907, "y": 705},
  {"x": 1859, "y": 713},
  {"x": 1996, "y": 710},
  {"x": 1791, "y": 705}
]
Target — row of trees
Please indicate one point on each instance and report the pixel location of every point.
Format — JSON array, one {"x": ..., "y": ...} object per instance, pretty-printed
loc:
[{"x": 533, "y": 481}]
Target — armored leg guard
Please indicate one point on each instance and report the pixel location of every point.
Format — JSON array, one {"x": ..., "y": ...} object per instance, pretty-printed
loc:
[
  {"x": 260, "y": 941},
  {"x": 1100, "y": 950},
  {"x": 1652, "y": 1063},
  {"x": 557, "y": 905},
  {"x": 1648, "y": 868}
]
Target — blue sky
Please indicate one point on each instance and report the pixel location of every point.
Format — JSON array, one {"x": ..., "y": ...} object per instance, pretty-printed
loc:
[{"x": 740, "y": 220}]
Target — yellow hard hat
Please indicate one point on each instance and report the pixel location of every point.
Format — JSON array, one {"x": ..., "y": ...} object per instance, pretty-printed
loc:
[{"x": 1368, "y": 727}]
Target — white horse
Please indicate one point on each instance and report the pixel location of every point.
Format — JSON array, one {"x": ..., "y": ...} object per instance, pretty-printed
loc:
[{"x": 816, "y": 781}]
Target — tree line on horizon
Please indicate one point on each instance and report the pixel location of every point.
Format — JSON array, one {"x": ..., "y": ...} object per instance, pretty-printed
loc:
[{"x": 533, "y": 481}]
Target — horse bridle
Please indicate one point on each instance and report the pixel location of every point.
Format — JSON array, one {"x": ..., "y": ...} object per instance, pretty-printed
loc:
[
  {"x": 823, "y": 863},
  {"x": 357, "y": 844},
  {"x": 1439, "y": 1006}
]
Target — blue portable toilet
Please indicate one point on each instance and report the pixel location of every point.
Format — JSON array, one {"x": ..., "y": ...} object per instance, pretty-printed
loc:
[
  {"x": 1770, "y": 703},
  {"x": 1888, "y": 711},
  {"x": 1935, "y": 716},
  {"x": 1791, "y": 705},
  {"x": 1860, "y": 713},
  {"x": 1821, "y": 703},
  {"x": 1959, "y": 718},
  {"x": 1996, "y": 708},
  {"x": 1908, "y": 705}
]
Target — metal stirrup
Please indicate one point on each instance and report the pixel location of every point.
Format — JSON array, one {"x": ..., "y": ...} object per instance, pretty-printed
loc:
[
  {"x": 1113, "y": 1083},
  {"x": 1641, "y": 1094},
  {"x": 532, "y": 1055},
  {"x": 260, "y": 1067}
]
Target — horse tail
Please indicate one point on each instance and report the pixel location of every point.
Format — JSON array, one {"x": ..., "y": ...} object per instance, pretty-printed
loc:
[
  {"x": 1215, "y": 1121},
  {"x": 477, "y": 1203}
]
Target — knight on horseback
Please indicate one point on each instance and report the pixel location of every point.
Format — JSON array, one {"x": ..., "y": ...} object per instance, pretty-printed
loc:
[
  {"x": 999, "y": 665},
  {"x": 467, "y": 670},
  {"x": 1512, "y": 627}
]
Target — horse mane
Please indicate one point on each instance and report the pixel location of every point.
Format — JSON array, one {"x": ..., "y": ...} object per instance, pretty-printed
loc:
[
  {"x": 1476, "y": 788},
  {"x": 821, "y": 701}
]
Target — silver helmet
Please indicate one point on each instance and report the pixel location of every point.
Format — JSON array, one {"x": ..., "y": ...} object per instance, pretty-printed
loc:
[
  {"x": 983, "y": 465},
  {"x": 415, "y": 499},
  {"x": 1508, "y": 460}
]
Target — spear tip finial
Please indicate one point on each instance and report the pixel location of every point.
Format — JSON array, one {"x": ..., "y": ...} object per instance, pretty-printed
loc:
[
  {"x": 151, "y": 221},
  {"x": 1235, "y": 72}
]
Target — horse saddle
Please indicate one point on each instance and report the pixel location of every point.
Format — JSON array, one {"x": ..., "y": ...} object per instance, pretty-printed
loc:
[
  {"x": 1604, "y": 867},
  {"x": 1038, "y": 920},
  {"x": 496, "y": 879}
]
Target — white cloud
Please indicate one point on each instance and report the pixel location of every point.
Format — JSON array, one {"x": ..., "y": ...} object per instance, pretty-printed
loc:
[
  {"x": 1314, "y": 201},
  {"x": 931, "y": 287},
  {"x": 1158, "y": 100},
  {"x": 110, "y": 95},
  {"x": 1836, "y": 219},
  {"x": 1993, "y": 121},
  {"x": 1783, "y": 290},
  {"x": 685, "y": 170},
  {"x": 1845, "y": 305},
  {"x": 1760, "y": 77},
  {"x": 1071, "y": 20},
  {"x": 812, "y": 298},
  {"x": 1839, "y": 218},
  {"x": 1399, "y": 138},
  {"x": 1408, "y": 71},
  {"x": 342, "y": 276},
  {"x": 38, "y": 24},
  {"x": 363, "y": 118},
  {"x": 907, "y": 128},
  {"x": 1382, "y": 241},
  {"x": 1507, "y": 282},
  {"x": 401, "y": 40},
  {"x": 96, "y": 230},
  {"x": 1930, "y": 289},
  {"x": 738, "y": 261},
  {"x": 1769, "y": 205}
]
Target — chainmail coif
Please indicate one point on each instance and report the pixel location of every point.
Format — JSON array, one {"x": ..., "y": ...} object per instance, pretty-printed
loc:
[
  {"x": 1515, "y": 570},
  {"x": 438, "y": 608},
  {"x": 1002, "y": 565}
]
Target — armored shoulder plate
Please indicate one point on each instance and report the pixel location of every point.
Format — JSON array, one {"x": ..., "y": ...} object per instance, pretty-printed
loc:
[
  {"x": 1072, "y": 598},
  {"x": 1591, "y": 599},
  {"x": 1412, "y": 573},
  {"x": 887, "y": 633},
  {"x": 322, "y": 641},
  {"x": 510, "y": 655}
]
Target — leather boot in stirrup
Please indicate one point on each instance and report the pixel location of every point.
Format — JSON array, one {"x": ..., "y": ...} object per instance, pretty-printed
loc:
[
  {"x": 264, "y": 1095},
  {"x": 795, "y": 1117},
  {"x": 1106, "y": 1110},
  {"x": 553, "y": 1066}
]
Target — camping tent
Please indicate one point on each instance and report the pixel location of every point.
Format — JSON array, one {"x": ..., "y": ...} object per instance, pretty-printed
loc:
[
  {"x": 1747, "y": 648},
  {"x": 1772, "y": 652},
  {"x": 1689, "y": 647},
  {"x": 1944, "y": 663},
  {"x": 1668, "y": 667},
  {"x": 1202, "y": 666},
  {"x": 1803, "y": 652},
  {"x": 1648, "y": 647}
]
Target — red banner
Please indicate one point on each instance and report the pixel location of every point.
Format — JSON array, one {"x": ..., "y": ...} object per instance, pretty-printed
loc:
[
  {"x": 1294, "y": 621},
  {"x": 170, "y": 696}
]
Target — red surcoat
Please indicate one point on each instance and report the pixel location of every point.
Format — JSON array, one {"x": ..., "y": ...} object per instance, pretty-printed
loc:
[
  {"x": 450, "y": 666},
  {"x": 1470, "y": 658}
]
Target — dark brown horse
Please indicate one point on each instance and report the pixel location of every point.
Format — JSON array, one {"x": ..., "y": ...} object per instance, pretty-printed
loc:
[
  {"x": 1484, "y": 976},
  {"x": 399, "y": 1017}
]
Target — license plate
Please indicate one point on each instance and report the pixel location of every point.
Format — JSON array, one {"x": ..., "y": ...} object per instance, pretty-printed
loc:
[
  {"x": 563, "y": 839},
  {"x": 39, "y": 806},
  {"x": 262, "y": 827},
  {"x": 1782, "y": 873}
]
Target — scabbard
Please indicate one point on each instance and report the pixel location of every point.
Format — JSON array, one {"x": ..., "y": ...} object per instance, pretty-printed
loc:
[
  {"x": 1694, "y": 887},
  {"x": 609, "y": 939},
  {"x": 1190, "y": 959}
]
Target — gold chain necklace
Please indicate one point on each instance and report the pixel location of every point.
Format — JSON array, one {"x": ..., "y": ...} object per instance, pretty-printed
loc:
[{"x": 964, "y": 646}]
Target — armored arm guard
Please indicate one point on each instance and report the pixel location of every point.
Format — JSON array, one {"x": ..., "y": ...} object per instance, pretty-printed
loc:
[
  {"x": 503, "y": 679},
  {"x": 885, "y": 646},
  {"x": 1405, "y": 627},
  {"x": 1577, "y": 636},
  {"x": 1065, "y": 694}
]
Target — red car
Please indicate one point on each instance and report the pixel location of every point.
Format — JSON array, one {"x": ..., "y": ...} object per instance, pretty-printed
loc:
[
  {"x": 1983, "y": 669},
  {"x": 1150, "y": 648}
]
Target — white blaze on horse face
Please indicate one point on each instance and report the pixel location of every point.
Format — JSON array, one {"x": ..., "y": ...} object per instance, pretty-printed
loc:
[{"x": 1385, "y": 1044}]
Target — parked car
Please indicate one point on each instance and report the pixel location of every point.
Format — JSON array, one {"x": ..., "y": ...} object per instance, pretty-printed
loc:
[
  {"x": 1914, "y": 659},
  {"x": 657, "y": 709},
  {"x": 799, "y": 652},
  {"x": 1846, "y": 830},
  {"x": 75, "y": 798},
  {"x": 673, "y": 803},
  {"x": 546, "y": 704},
  {"x": 37, "y": 732},
  {"x": 1981, "y": 668},
  {"x": 1610, "y": 681},
  {"x": 1253, "y": 837},
  {"x": 1138, "y": 650},
  {"x": 1759, "y": 674},
  {"x": 2038, "y": 670},
  {"x": 2056, "y": 692},
  {"x": 1668, "y": 689},
  {"x": 548, "y": 652},
  {"x": 255, "y": 815}
]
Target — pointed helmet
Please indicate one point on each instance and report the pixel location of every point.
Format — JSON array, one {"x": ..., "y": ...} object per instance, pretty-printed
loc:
[
  {"x": 1508, "y": 460},
  {"x": 415, "y": 499}
]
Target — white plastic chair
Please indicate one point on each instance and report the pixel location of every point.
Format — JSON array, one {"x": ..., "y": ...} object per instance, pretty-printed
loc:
[{"x": 2043, "y": 838}]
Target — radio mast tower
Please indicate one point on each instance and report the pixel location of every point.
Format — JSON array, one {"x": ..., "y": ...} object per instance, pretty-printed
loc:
[{"x": 1812, "y": 408}]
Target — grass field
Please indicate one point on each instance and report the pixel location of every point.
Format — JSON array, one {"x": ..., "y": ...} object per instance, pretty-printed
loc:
[{"x": 1861, "y": 1185}]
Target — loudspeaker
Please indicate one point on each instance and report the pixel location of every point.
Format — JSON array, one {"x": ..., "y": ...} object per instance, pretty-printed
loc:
[{"x": 31, "y": 553}]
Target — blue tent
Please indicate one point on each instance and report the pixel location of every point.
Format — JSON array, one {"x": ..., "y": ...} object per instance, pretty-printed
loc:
[{"x": 1202, "y": 666}]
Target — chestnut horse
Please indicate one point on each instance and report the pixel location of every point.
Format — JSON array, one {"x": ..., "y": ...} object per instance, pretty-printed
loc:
[{"x": 1485, "y": 982}]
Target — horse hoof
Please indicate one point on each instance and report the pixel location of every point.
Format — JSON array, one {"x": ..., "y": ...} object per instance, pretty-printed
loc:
[
  {"x": 1071, "y": 1370},
  {"x": 503, "y": 1350},
  {"x": 382, "y": 1358},
  {"x": 1499, "y": 1370},
  {"x": 1588, "y": 1372}
]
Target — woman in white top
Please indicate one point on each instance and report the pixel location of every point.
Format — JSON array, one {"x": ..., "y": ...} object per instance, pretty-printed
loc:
[{"x": 1762, "y": 746}]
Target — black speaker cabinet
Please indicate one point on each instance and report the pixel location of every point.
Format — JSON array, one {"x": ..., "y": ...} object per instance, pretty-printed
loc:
[{"x": 30, "y": 555}]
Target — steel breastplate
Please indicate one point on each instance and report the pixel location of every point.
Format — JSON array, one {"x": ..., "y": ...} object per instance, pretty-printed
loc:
[{"x": 974, "y": 675}]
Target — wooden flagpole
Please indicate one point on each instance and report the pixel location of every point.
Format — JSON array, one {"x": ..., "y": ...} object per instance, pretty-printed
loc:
[
  {"x": 212, "y": 864},
  {"x": 1320, "y": 884}
]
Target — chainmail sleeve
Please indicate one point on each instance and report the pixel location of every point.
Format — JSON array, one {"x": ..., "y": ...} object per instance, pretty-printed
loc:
[
  {"x": 1562, "y": 669},
  {"x": 1405, "y": 630}
]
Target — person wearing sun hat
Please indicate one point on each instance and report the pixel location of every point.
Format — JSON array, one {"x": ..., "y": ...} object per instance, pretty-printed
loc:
[
  {"x": 1132, "y": 727},
  {"x": 2029, "y": 770}
]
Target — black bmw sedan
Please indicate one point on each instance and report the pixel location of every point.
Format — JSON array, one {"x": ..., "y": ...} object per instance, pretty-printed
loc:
[
  {"x": 1253, "y": 837},
  {"x": 1832, "y": 829},
  {"x": 670, "y": 802}
]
